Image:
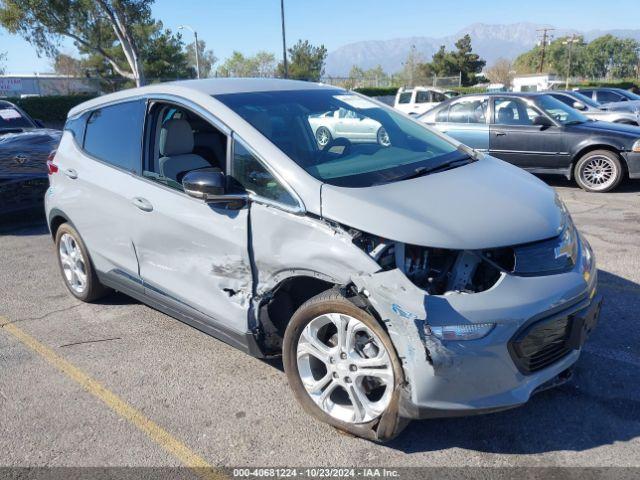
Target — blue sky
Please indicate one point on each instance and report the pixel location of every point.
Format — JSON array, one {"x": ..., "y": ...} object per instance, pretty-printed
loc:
[{"x": 253, "y": 25}]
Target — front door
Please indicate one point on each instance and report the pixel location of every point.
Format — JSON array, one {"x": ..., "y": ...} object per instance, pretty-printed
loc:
[
  {"x": 515, "y": 139},
  {"x": 191, "y": 254}
]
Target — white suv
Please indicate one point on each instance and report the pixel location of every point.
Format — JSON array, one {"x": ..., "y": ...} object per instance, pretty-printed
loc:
[{"x": 418, "y": 100}]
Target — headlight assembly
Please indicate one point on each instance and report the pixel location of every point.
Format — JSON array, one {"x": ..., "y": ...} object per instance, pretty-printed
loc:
[{"x": 471, "y": 331}]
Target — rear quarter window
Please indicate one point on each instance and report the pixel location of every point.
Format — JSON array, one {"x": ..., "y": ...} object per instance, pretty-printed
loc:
[
  {"x": 405, "y": 97},
  {"x": 76, "y": 127},
  {"x": 114, "y": 134}
]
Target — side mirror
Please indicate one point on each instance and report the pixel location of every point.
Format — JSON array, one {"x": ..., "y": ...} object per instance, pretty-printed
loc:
[
  {"x": 542, "y": 121},
  {"x": 209, "y": 184},
  {"x": 579, "y": 106}
]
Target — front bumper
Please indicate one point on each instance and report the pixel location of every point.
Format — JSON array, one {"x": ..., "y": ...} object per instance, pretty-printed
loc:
[
  {"x": 633, "y": 163},
  {"x": 454, "y": 378}
]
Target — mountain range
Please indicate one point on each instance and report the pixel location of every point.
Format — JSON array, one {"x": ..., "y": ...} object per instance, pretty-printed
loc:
[{"x": 489, "y": 41}]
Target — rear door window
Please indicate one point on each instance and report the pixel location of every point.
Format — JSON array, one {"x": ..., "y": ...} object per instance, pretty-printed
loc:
[
  {"x": 468, "y": 111},
  {"x": 423, "y": 97},
  {"x": 605, "y": 97},
  {"x": 114, "y": 134}
]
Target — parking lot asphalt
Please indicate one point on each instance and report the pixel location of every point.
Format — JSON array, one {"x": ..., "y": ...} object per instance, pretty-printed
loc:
[{"x": 233, "y": 410}]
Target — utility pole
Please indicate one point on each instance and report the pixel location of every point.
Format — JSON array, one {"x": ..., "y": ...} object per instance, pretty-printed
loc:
[
  {"x": 569, "y": 43},
  {"x": 543, "y": 43},
  {"x": 284, "y": 42}
]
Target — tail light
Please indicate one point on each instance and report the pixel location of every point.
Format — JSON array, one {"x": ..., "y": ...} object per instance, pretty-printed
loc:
[{"x": 51, "y": 167}]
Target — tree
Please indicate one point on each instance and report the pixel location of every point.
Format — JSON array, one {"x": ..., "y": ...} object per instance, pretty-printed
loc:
[
  {"x": 414, "y": 70},
  {"x": 306, "y": 62},
  {"x": 612, "y": 57},
  {"x": 237, "y": 65},
  {"x": 374, "y": 77},
  {"x": 606, "y": 56},
  {"x": 206, "y": 57},
  {"x": 67, "y": 65},
  {"x": 96, "y": 26},
  {"x": 500, "y": 72},
  {"x": 3, "y": 58},
  {"x": 265, "y": 64},
  {"x": 461, "y": 61}
]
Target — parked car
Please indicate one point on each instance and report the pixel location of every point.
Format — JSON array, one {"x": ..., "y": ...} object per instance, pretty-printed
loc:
[
  {"x": 343, "y": 123},
  {"x": 593, "y": 110},
  {"x": 24, "y": 148},
  {"x": 389, "y": 277},
  {"x": 613, "y": 98},
  {"x": 417, "y": 100},
  {"x": 542, "y": 135}
]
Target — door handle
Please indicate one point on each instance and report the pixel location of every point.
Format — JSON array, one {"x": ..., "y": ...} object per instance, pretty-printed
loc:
[
  {"x": 501, "y": 134},
  {"x": 71, "y": 173},
  {"x": 142, "y": 203}
]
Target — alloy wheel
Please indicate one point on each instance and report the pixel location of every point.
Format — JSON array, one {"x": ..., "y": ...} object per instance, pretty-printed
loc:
[
  {"x": 73, "y": 263},
  {"x": 383, "y": 137},
  {"x": 598, "y": 172},
  {"x": 323, "y": 136},
  {"x": 345, "y": 368}
]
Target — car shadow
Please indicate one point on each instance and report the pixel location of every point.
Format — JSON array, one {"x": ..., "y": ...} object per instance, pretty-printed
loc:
[
  {"x": 626, "y": 186},
  {"x": 600, "y": 405}
]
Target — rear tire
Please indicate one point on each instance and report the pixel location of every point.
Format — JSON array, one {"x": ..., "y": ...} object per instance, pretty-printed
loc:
[
  {"x": 76, "y": 267},
  {"x": 599, "y": 171},
  {"x": 323, "y": 137},
  {"x": 351, "y": 380}
]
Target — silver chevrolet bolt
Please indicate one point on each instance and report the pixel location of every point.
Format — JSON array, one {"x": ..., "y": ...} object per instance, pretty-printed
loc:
[{"x": 398, "y": 273}]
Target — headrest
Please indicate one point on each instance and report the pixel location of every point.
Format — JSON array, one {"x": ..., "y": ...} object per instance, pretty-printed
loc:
[{"x": 176, "y": 138}]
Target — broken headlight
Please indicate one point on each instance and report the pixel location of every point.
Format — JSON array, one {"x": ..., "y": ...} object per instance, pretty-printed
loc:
[{"x": 471, "y": 331}]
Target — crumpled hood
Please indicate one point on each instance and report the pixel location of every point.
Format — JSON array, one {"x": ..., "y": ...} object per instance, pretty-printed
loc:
[{"x": 486, "y": 204}]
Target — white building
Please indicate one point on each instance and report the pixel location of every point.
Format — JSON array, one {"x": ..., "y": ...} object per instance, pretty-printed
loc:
[
  {"x": 536, "y": 82},
  {"x": 42, "y": 84}
]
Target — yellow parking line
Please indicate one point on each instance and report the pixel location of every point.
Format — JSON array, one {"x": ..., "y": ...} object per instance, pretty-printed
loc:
[{"x": 156, "y": 433}]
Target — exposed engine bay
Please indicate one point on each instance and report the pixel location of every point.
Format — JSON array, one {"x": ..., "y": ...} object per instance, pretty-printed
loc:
[{"x": 437, "y": 270}]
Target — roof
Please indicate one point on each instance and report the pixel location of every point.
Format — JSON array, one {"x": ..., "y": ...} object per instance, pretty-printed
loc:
[
  {"x": 204, "y": 87},
  {"x": 217, "y": 86}
]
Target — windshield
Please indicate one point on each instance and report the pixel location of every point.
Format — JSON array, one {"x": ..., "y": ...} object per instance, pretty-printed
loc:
[
  {"x": 629, "y": 95},
  {"x": 11, "y": 118},
  {"x": 559, "y": 111},
  {"x": 586, "y": 100},
  {"x": 341, "y": 138}
]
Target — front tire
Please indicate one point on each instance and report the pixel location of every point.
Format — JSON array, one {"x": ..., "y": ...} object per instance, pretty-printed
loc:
[
  {"x": 598, "y": 171},
  {"x": 75, "y": 265},
  {"x": 343, "y": 368}
]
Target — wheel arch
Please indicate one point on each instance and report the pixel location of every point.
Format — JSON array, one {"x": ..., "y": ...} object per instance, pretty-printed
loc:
[
  {"x": 582, "y": 151},
  {"x": 56, "y": 218}
]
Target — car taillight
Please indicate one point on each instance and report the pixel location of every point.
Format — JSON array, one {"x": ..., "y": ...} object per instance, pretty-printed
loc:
[{"x": 51, "y": 167}]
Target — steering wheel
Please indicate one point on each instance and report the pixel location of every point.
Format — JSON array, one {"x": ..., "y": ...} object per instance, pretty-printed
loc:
[{"x": 343, "y": 142}]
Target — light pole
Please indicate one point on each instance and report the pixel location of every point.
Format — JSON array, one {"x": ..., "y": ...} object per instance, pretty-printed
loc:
[
  {"x": 284, "y": 41},
  {"x": 195, "y": 34},
  {"x": 569, "y": 42}
]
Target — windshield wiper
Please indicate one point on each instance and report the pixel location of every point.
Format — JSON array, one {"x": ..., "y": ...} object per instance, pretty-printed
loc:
[{"x": 424, "y": 170}]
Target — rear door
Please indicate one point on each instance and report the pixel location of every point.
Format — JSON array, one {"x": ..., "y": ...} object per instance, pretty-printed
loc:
[
  {"x": 515, "y": 139},
  {"x": 466, "y": 120},
  {"x": 98, "y": 167}
]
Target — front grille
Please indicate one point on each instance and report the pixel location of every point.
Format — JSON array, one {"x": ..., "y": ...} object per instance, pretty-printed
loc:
[{"x": 541, "y": 344}]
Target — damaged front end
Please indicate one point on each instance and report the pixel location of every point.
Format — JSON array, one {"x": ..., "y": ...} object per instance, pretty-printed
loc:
[{"x": 433, "y": 300}]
